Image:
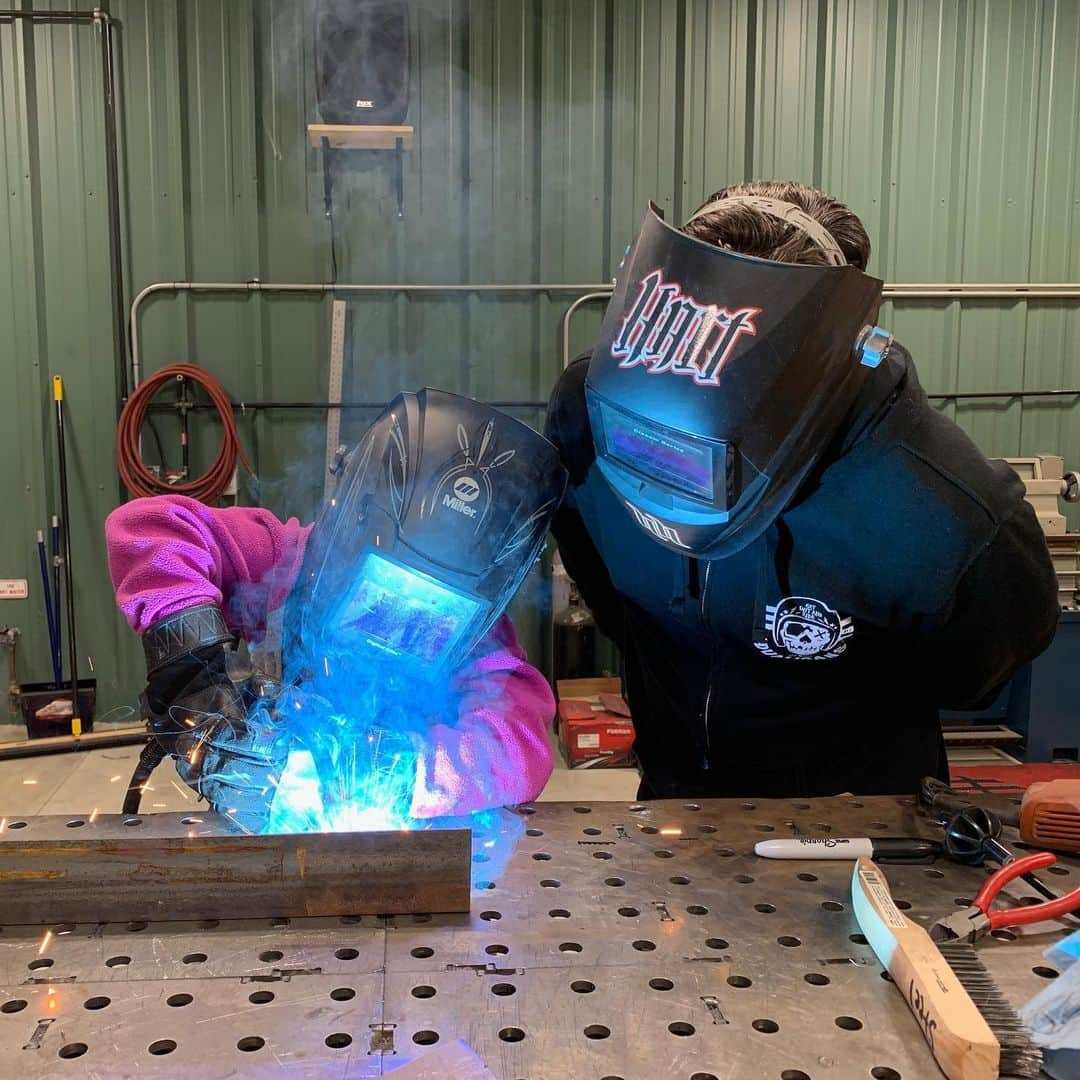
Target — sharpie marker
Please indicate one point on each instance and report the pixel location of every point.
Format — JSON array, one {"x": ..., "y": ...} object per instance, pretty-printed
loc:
[{"x": 911, "y": 849}]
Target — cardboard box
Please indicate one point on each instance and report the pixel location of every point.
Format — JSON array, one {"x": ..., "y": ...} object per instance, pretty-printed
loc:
[{"x": 595, "y": 727}]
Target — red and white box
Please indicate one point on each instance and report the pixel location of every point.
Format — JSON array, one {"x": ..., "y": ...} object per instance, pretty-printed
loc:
[{"x": 595, "y": 727}]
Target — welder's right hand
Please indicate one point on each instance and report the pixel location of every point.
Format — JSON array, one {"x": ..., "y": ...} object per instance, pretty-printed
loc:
[{"x": 212, "y": 719}]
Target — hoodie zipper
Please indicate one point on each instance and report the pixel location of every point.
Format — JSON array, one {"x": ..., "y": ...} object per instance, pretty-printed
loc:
[{"x": 712, "y": 662}]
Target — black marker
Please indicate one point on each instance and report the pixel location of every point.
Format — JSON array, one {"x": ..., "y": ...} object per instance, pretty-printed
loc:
[{"x": 911, "y": 849}]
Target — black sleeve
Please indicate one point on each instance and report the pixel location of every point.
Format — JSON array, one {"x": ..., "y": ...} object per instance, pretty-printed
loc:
[
  {"x": 567, "y": 428},
  {"x": 1003, "y": 614}
]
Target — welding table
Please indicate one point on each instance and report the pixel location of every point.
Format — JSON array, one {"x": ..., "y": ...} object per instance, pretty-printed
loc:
[{"x": 634, "y": 941}]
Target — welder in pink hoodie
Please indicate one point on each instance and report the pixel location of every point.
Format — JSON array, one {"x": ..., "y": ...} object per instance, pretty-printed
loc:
[{"x": 394, "y": 598}]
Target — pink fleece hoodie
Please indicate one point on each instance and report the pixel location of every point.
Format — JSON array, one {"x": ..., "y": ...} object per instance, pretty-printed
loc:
[{"x": 170, "y": 553}]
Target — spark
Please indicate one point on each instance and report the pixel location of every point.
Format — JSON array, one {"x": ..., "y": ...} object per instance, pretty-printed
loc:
[
  {"x": 93, "y": 815},
  {"x": 671, "y": 831},
  {"x": 29, "y": 782},
  {"x": 183, "y": 792},
  {"x": 158, "y": 805},
  {"x": 3, "y": 824},
  {"x": 113, "y": 779},
  {"x": 326, "y": 666},
  {"x": 45, "y": 942},
  {"x": 230, "y": 813}
]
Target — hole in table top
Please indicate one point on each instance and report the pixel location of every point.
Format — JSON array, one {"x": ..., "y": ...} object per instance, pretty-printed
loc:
[
  {"x": 824, "y": 826},
  {"x": 765, "y": 828},
  {"x": 744, "y": 879},
  {"x": 582, "y": 809},
  {"x": 692, "y": 806},
  {"x": 614, "y": 882},
  {"x": 118, "y": 961},
  {"x": 856, "y": 805},
  {"x": 261, "y": 997},
  {"x": 480, "y": 857},
  {"x": 570, "y": 946},
  {"x": 643, "y": 945},
  {"x": 191, "y": 821},
  {"x": 815, "y": 978},
  {"x": 697, "y": 909},
  {"x": 661, "y": 984},
  {"x": 765, "y": 1026},
  {"x": 132, "y": 822},
  {"x": 17, "y": 824},
  {"x": 209, "y": 924},
  {"x": 800, "y": 806},
  {"x": 857, "y": 939},
  {"x": 649, "y": 830},
  {"x": 72, "y": 1050},
  {"x": 740, "y": 982},
  {"x": 903, "y": 905},
  {"x": 807, "y": 877},
  {"x": 663, "y": 853},
  {"x": 422, "y": 952},
  {"x": 347, "y": 954},
  {"x": 161, "y": 1047},
  {"x": 1030, "y": 901},
  {"x": 511, "y": 1034},
  {"x": 504, "y": 989},
  {"x": 680, "y": 1027},
  {"x": 338, "y": 1040},
  {"x": 534, "y": 832},
  {"x": 1003, "y": 935},
  {"x": 542, "y": 856},
  {"x": 764, "y": 909},
  {"x": 550, "y": 883},
  {"x": 629, "y": 912},
  {"x": 343, "y": 993},
  {"x": 490, "y": 916},
  {"x": 592, "y": 831},
  {"x": 13, "y": 1006},
  {"x": 1045, "y": 972},
  {"x": 679, "y": 880},
  {"x": 1060, "y": 870},
  {"x": 484, "y": 885},
  {"x": 880, "y": 825},
  {"x": 962, "y": 901},
  {"x": 602, "y": 855},
  {"x": 41, "y": 962},
  {"x": 75, "y": 823},
  {"x": 883, "y": 1072},
  {"x": 178, "y": 1001},
  {"x": 195, "y": 958},
  {"x": 716, "y": 943},
  {"x": 250, "y": 1043},
  {"x": 789, "y": 942},
  {"x": 848, "y": 1023},
  {"x": 527, "y": 810},
  {"x": 270, "y": 955},
  {"x": 704, "y": 1076},
  {"x": 137, "y": 927},
  {"x": 493, "y": 950},
  {"x": 637, "y": 808},
  {"x": 280, "y": 923},
  {"x": 423, "y": 991},
  {"x": 559, "y": 913},
  {"x": 597, "y": 1031},
  {"x": 725, "y": 852},
  {"x": 832, "y": 905},
  {"x": 886, "y": 976},
  {"x": 582, "y": 986},
  {"x": 932, "y": 873},
  {"x": 794, "y": 1074},
  {"x": 748, "y": 806},
  {"x": 95, "y": 1003}
]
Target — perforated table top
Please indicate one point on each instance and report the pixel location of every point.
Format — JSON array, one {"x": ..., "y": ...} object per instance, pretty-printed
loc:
[{"x": 633, "y": 941}]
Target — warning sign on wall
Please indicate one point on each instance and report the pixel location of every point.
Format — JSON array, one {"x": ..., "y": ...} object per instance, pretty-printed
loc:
[{"x": 13, "y": 589}]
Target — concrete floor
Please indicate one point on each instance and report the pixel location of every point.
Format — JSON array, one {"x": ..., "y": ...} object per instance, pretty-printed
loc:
[{"x": 79, "y": 783}]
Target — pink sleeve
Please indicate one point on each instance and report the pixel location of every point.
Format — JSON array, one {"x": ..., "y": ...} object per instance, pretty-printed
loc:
[
  {"x": 170, "y": 552},
  {"x": 497, "y": 753}
]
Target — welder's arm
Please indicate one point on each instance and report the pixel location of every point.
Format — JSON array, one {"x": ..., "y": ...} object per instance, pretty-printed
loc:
[
  {"x": 1003, "y": 614},
  {"x": 497, "y": 752}
]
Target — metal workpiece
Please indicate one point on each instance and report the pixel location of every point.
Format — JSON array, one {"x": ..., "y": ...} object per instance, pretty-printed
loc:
[
  {"x": 643, "y": 941},
  {"x": 198, "y": 866}
]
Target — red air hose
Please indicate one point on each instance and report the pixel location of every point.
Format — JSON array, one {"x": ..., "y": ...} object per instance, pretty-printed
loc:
[{"x": 138, "y": 479}]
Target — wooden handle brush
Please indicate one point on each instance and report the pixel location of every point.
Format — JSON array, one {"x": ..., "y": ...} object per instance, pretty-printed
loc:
[{"x": 941, "y": 984}]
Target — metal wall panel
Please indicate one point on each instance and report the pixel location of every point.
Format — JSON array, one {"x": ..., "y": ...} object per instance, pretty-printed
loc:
[{"x": 543, "y": 127}]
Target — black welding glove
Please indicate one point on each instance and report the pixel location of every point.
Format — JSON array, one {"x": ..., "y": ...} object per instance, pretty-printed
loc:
[{"x": 217, "y": 721}]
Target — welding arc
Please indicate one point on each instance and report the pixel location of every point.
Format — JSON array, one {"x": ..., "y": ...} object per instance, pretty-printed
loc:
[{"x": 138, "y": 479}]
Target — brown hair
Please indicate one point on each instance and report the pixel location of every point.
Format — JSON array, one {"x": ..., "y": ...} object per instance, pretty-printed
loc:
[{"x": 743, "y": 229}]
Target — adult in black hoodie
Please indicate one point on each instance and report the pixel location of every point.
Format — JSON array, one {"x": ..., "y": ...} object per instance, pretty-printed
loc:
[{"x": 906, "y": 574}]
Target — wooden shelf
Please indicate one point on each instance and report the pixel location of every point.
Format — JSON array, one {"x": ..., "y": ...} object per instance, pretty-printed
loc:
[{"x": 361, "y": 136}]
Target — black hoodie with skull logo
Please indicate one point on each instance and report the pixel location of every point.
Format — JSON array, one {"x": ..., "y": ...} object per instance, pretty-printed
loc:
[{"x": 909, "y": 575}]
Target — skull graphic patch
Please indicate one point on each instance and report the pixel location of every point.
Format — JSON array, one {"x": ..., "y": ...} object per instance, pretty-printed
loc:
[{"x": 802, "y": 628}]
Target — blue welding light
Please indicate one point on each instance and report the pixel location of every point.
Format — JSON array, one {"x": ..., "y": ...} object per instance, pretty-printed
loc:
[{"x": 405, "y": 611}]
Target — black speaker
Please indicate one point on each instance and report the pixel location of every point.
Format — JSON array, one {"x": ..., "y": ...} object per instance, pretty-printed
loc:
[{"x": 362, "y": 61}]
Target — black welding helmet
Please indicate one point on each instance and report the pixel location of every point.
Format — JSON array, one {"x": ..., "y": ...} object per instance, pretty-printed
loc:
[
  {"x": 719, "y": 379},
  {"x": 438, "y": 514}
]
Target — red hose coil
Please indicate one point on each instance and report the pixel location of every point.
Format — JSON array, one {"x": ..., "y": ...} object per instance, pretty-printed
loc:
[{"x": 138, "y": 479}]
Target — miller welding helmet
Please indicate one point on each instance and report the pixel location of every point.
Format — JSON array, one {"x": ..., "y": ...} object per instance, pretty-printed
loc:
[
  {"x": 438, "y": 514},
  {"x": 719, "y": 380}
]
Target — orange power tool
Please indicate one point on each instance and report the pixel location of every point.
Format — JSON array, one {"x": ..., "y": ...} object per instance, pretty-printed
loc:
[{"x": 1050, "y": 815}]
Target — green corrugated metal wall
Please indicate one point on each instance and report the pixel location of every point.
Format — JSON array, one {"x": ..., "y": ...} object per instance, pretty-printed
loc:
[{"x": 543, "y": 126}]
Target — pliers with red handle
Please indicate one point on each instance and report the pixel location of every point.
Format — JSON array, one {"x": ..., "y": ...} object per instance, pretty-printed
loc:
[{"x": 971, "y": 923}]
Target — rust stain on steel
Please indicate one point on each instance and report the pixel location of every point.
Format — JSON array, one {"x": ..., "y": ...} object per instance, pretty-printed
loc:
[{"x": 100, "y": 877}]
